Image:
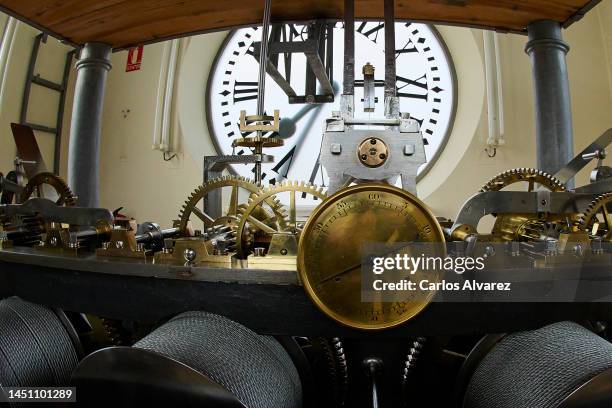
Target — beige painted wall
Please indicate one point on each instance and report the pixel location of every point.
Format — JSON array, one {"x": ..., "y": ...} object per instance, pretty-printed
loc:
[
  {"x": 136, "y": 177},
  {"x": 43, "y": 102},
  {"x": 132, "y": 174}
]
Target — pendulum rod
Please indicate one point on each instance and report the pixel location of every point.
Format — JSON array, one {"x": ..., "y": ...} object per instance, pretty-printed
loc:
[{"x": 261, "y": 84}]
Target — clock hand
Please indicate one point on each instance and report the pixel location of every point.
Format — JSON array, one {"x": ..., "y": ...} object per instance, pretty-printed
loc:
[
  {"x": 287, "y": 160},
  {"x": 288, "y": 125},
  {"x": 298, "y": 143},
  {"x": 335, "y": 275}
]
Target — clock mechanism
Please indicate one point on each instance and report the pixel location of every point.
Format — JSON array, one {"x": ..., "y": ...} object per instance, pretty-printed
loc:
[
  {"x": 324, "y": 248},
  {"x": 426, "y": 87}
]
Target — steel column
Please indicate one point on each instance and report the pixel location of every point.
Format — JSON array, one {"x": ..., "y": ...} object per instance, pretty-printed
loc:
[
  {"x": 554, "y": 136},
  {"x": 85, "y": 128}
]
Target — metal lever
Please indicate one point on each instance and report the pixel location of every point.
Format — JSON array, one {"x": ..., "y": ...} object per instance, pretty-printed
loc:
[
  {"x": 51, "y": 212},
  {"x": 577, "y": 163}
]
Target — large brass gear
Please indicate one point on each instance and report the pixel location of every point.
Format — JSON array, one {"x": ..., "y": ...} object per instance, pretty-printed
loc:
[
  {"x": 32, "y": 227},
  {"x": 523, "y": 174},
  {"x": 597, "y": 218},
  {"x": 191, "y": 204},
  {"x": 280, "y": 221},
  {"x": 36, "y": 183},
  {"x": 523, "y": 227}
]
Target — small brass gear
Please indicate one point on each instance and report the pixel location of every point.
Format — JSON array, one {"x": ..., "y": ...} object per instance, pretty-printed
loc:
[
  {"x": 597, "y": 218},
  {"x": 523, "y": 227},
  {"x": 280, "y": 221},
  {"x": 34, "y": 186},
  {"x": 191, "y": 204},
  {"x": 257, "y": 141}
]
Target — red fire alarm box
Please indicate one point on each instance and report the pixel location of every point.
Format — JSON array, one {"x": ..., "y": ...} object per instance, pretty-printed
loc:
[{"x": 134, "y": 59}]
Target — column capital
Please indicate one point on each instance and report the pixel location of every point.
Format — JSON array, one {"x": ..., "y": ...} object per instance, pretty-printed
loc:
[
  {"x": 545, "y": 34},
  {"x": 95, "y": 54}
]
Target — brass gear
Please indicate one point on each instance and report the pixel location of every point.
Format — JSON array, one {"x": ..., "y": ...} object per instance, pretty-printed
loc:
[
  {"x": 191, "y": 204},
  {"x": 66, "y": 198},
  {"x": 258, "y": 141},
  {"x": 591, "y": 222},
  {"x": 279, "y": 221},
  {"x": 522, "y": 227},
  {"x": 523, "y": 174}
]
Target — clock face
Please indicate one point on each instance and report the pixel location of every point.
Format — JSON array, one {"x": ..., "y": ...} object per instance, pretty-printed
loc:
[{"x": 425, "y": 84}]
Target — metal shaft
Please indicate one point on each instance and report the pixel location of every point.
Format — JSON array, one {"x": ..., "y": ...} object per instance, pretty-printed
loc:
[
  {"x": 156, "y": 235},
  {"x": 390, "y": 80},
  {"x": 261, "y": 84},
  {"x": 554, "y": 137},
  {"x": 263, "y": 58},
  {"x": 85, "y": 129},
  {"x": 348, "y": 86}
]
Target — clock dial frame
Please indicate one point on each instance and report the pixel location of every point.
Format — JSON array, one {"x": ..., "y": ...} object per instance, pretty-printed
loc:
[{"x": 227, "y": 94}]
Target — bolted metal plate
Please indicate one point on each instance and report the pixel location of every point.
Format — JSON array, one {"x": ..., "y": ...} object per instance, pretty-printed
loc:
[{"x": 342, "y": 161}]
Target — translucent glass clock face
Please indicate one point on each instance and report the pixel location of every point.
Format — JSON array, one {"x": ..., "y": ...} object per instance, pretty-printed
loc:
[{"x": 424, "y": 81}]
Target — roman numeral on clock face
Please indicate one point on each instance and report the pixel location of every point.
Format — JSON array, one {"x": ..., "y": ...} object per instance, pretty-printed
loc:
[
  {"x": 244, "y": 91},
  {"x": 412, "y": 88},
  {"x": 370, "y": 30},
  {"x": 408, "y": 48}
]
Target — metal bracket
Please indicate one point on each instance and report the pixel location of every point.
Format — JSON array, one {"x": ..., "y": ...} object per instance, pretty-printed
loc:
[
  {"x": 254, "y": 123},
  {"x": 318, "y": 50},
  {"x": 339, "y": 156},
  {"x": 506, "y": 202},
  {"x": 339, "y": 124}
]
